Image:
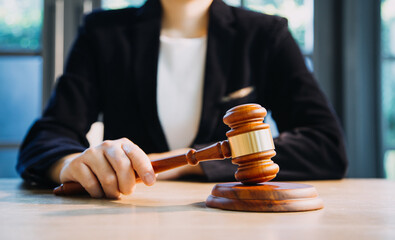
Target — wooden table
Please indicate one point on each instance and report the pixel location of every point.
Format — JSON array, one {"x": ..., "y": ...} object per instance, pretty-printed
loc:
[{"x": 354, "y": 209}]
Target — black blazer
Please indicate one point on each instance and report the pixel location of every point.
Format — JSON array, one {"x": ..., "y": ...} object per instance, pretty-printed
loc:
[{"x": 112, "y": 69}]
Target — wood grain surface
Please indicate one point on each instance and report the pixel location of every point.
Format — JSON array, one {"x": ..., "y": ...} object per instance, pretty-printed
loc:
[{"x": 354, "y": 209}]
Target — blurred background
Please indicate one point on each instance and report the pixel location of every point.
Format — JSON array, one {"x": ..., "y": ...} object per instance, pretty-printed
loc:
[{"x": 348, "y": 45}]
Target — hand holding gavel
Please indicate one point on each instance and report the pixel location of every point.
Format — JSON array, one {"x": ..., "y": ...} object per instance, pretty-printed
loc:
[{"x": 250, "y": 144}]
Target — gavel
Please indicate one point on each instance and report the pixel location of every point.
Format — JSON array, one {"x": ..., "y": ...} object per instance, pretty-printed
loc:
[{"x": 250, "y": 145}]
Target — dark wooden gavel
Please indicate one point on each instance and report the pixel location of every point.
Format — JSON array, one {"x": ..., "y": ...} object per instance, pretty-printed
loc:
[{"x": 250, "y": 144}]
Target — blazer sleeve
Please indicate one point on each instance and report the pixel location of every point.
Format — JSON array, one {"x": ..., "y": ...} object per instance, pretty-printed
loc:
[
  {"x": 73, "y": 107},
  {"x": 311, "y": 143}
]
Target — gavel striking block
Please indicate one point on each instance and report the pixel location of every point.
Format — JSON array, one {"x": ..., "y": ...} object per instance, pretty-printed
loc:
[
  {"x": 252, "y": 148},
  {"x": 250, "y": 144}
]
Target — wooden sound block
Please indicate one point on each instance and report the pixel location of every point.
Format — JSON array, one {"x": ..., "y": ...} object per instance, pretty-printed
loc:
[{"x": 265, "y": 197}]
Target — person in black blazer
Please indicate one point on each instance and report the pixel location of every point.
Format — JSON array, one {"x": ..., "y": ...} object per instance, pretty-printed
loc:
[{"x": 112, "y": 70}]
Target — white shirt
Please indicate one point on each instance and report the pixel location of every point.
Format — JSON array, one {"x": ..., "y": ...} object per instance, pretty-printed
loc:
[{"x": 180, "y": 77}]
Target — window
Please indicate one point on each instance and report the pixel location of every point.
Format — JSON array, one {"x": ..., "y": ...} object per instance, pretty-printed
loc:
[
  {"x": 20, "y": 75},
  {"x": 300, "y": 14},
  {"x": 114, "y": 4},
  {"x": 388, "y": 84}
]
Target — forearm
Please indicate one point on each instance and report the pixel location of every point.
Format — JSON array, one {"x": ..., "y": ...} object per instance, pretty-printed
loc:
[
  {"x": 42, "y": 148},
  {"x": 308, "y": 153}
]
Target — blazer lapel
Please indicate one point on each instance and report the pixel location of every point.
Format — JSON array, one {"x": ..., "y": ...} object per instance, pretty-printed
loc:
[
  {"x": 220, "y": 43},
  {"x": 145, "y": 50}
]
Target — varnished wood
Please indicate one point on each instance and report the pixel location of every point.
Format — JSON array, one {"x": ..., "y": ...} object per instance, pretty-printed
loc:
[
  {"x": 257, "y": 167},
  {"x": 245, "y": 118},
  {"x": 360, "y": 209},
  {"x": 265, "y": 197}
]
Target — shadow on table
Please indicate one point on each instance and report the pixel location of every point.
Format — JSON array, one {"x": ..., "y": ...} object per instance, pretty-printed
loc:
[
  {"x": 27, "y": 194},
  {"x": 113, "y": 208}
]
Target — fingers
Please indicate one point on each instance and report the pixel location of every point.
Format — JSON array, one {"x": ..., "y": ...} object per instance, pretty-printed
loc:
[
  {"x": 104, "y": 172},
  {"x": 109, "y": 169},
  {"x": 77, "y": 171},
  {"x": 122, "y": 167},
  {"x": 89, "y": 181},
  {"x": 140, "y": 162}
]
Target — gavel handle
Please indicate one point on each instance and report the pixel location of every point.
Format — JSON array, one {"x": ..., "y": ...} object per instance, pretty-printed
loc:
[{"x": 217, "y": 151}]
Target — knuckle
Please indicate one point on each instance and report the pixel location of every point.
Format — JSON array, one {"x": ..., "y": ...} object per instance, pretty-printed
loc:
[
  {"x": 118, "y": 160},
  {"x": 90, "y": 151},
  {"x": 129, "y": 148},
  {"x": 109, "y": 180},
  {"x": 106, "y": 143}
]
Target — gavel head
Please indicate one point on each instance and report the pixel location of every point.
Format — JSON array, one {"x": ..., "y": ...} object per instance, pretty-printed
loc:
[{"x": 251, "y": 144}]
